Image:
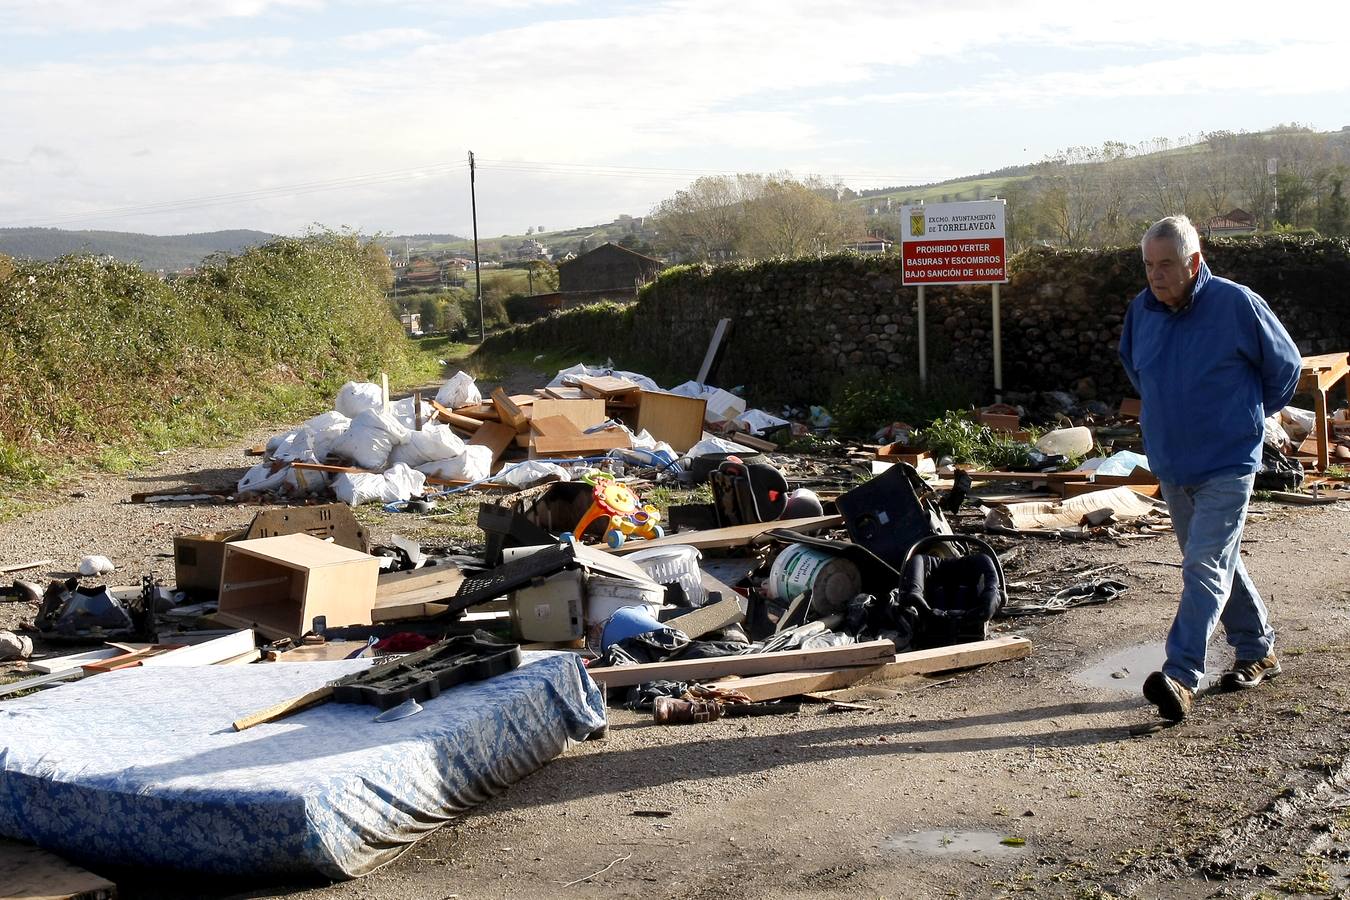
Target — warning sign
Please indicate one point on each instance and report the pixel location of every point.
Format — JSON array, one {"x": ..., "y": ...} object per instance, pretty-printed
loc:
[{"x": 954, "y": 243}]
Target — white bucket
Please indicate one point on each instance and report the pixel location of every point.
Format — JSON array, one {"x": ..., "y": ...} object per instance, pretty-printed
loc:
[
  {"x": 832, "y": 580},
  {"x": 606, "y": 596}
]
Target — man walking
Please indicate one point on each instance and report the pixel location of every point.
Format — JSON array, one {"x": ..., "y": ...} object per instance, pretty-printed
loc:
[{"x": 1210, "y": 362}]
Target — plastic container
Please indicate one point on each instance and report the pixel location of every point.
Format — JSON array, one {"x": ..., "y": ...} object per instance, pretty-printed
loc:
[
  {"x": 606, "y": 596},
  {"x": 1066, "y": 442},
  {"x": 832, "y": 580},
  {"x": 676, "y": 564},
  {"x": 627, "y": 622}
]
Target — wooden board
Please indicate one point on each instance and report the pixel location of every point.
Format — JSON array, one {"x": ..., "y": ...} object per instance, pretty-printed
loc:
[
  {"x": 454, "y": 419},
  {"x": 559, "y": 436},
  {"x": 30, "y": 873},
  {"x": 671, "y": 418},
  {"x": 917, "y": 662},
  {"x": 394, "y": 584},
  {"x": 495, "y": 436},
  {"x": 1068, "y": 489},
  {"x": 510, "y": 412},
  {"x": 483, "y": 412},
  {"x": 870, "y": 653},
  {"x": 565, "y": 393},
  {"x": 582, "y": 413},
  {"x": 695, "y": 624},
  {"x": 606, "y": 386},
  {"x": 398, "y": 612},
  {"x": 734, "y": 536}
]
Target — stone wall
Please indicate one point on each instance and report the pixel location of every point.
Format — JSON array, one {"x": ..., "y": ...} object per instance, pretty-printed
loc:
[{"x": 801, "y": 328}]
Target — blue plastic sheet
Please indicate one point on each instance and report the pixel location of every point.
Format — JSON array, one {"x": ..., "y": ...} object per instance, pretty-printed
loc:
[{"x": 142, "y": 766}]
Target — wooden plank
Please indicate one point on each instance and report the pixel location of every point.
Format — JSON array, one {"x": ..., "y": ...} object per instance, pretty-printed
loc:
[
  {"x": 917, "y": 662},
  {"x": 565, "y": 393},
  {"x": 1069, "y": 489},
  {"x": 209, "y": 653},
  {"x": 671, "y": 418},
  {"x": 510, "y": 412},
  {"x": 734, "y": 536},
  {"x": 495, "y": 436},
  {"x": 285, "y": 708},
  {"x": 606, "y": 386},
  {"x": 1131, "y": 407},
  {"x": 582, "y": 413},
  {"x": 695, "y": 624},
  {"x": 392, "y": 584},
  {"x": 869, "y": 653},
  {"x": 73, "y": 661},
  {"x": 714, "y": 346},
  {"x": 399, "y": 612},
  {"x": 31, "y": 873},
  {"x": 483, "y": 412},
  {"x": 1024, "y": 476},
  {"x": 454, "y": 419},
  {"x": 753, "y": 442},
  {"x": 19, "y": 567}
]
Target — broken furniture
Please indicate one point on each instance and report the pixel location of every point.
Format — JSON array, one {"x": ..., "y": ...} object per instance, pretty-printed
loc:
[
  {"x": 1318, "y": 375},
  {"x": 198, "y": 557},
  {"x": 281, "y": 585},
  {"x": 327, "y": 791}
]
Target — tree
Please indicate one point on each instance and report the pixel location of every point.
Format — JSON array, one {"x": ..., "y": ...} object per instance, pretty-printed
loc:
[
  {"x": 1292, "y": 196},
  {"x": 795, "y": 218},
  {"x": 1333, "y": 216},
  {"x": 703, "y": 221},
  {"x": 542, "y": 276}
]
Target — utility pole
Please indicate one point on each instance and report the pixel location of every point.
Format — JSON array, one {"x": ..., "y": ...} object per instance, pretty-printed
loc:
[{"x": 477, "y": 267}]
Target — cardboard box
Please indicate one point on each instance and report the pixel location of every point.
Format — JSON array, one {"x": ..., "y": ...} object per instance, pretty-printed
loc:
[{"x": 280, "y": 585}]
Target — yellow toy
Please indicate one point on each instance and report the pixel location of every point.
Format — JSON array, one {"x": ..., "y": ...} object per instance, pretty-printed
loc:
[{"x": 626, "y": 515}]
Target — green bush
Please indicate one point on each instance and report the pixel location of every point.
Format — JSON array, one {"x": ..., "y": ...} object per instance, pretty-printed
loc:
[
  {"x": 99, "y": 353},
  {"x": 860, "y": 406}
]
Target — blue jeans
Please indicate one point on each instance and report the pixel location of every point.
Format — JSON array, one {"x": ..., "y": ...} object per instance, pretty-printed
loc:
[{"x": 1208, "y": 521}]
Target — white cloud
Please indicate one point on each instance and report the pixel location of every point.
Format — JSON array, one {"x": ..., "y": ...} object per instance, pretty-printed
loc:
[
  {"x": 219, "y": 51},
  {"x": 56, "y": 16},
  {"x": 693, "y": 83},
  {"x": 384, "y": 38}
]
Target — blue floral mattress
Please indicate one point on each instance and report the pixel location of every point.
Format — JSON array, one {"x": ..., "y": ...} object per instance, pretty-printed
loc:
[{"x": 142, "y": 767}]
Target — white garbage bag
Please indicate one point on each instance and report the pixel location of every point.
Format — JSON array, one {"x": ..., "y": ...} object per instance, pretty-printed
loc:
[
  {"x": 533, "y": 471},
  {"x": 95, "y": 565},
  {"x": 327, "y": 428},
  {"x": 287, "y": 481},
  {"x": 474, "y": 464},
  {"x": 405, "y": 411},
  {"x": 356, "y": 397},
  {"x": 370, "y": 438},
  {"x": 1298, "y": 423},
  {"x": 758, "y": 421},
  {"x": 399, "y": 483},
  {"x": 294, "y": 446},
  {"x": 459, "y": 391},
  {"x": 1276, "y": 436},
  {"x": 435, "y": 441}
]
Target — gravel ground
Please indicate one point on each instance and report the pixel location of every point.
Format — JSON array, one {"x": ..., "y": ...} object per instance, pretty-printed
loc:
[{"x": 909, "y": 798}]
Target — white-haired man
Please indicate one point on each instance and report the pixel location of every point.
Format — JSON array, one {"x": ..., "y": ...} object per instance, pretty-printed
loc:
[{"x": 1210, "y": 361}]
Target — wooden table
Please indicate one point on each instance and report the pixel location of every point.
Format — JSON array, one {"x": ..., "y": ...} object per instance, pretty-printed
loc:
[{"x": 1319, "y": 374}]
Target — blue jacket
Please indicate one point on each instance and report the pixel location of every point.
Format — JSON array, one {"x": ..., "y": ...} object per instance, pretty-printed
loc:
[{"x": 1207, "y": 375}]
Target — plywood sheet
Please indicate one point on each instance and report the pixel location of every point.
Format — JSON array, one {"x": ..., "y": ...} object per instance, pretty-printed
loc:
[{"x": 671, "y": 418}]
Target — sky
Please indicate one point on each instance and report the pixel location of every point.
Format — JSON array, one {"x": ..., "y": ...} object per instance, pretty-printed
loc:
[{"x": 178, "y": 116}]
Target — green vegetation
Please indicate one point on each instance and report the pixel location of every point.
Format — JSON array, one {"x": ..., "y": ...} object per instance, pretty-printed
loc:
[
  {"x": 105, "y": 363},
  {"x": 956, "y": 435},
  {"x": 861, "y": 405}
]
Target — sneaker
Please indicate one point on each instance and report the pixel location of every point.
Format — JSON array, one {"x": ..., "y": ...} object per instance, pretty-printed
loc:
[
  {"x": 1248, "y": 673},
  {"x": 1172, "y": 698}
]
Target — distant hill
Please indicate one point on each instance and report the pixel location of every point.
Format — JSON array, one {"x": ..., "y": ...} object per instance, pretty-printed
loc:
[{"x": 151, "y": 251}]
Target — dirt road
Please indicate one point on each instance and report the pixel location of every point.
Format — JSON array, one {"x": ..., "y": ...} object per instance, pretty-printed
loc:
[{"x": 911, "y": 798}]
